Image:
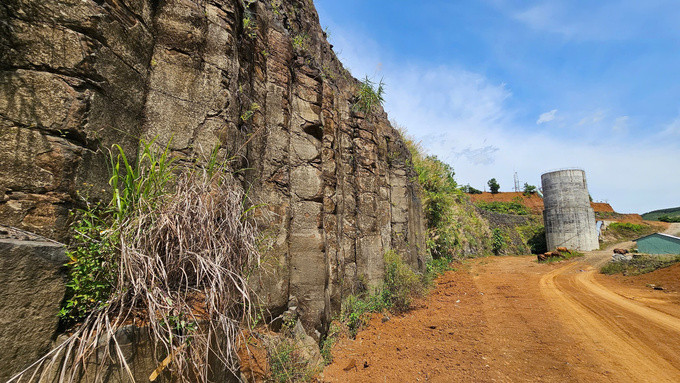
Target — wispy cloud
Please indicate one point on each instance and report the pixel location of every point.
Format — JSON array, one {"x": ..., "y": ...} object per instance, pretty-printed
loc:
[
  {"x": 672, "y": 129},
  {"x": 620, "y": 124},
  {"x": 480, "y": 156},
  {"x": 593, "y": 118},
  {"x": 546, "y": 117}
]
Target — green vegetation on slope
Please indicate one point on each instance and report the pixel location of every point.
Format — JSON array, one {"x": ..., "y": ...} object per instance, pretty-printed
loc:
[
  {"x": 640, "y": 264},
  {"x": 503, "y": 207},
  {"x": 454, "y": 228},
  {"x": 626, "y": 230},
  {"x": 671, "y": 213}
]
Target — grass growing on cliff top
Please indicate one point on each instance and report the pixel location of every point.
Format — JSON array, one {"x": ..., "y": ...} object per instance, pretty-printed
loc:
[
  {"x": 178, "y": 256},
  {"x": 369, "y": 96}
]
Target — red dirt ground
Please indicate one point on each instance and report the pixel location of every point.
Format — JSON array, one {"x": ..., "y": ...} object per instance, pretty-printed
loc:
[
  {"x": 534, "y": 202},
  {"x": 510, "y": 319}
]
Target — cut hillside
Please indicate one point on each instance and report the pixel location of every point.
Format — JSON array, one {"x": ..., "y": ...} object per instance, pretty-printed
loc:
[{"x": 535, "y": 203}]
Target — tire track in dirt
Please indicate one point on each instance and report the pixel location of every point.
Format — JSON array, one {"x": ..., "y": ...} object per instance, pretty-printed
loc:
[
  {"x": 510, "y": 319},
  {"x": 632, "y": 342}
]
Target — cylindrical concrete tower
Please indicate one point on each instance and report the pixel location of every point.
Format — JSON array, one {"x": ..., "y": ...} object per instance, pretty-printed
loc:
[{"x": 569, "y": 219}]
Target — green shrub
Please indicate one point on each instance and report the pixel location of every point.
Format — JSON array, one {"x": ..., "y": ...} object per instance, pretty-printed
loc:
[
  {"x": 401, "y": 283},
  {"x": 498, "y": 241},
  {"x": 513, "y": 207},
  {"x": 441, "y": 194},
  {"x": 94, "y": 249},
  {"x": 470, "y": 190},
  {"x": 92, "y": 270},
  {"x": 534, "y": 236},
  {"x": 626, "y": 227},
  {"x": 355, "y": 310},
  {"x": 287, "y": 363}
]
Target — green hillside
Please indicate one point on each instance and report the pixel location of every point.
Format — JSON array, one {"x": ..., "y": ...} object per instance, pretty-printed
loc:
[{"x": 673, "y": 213}]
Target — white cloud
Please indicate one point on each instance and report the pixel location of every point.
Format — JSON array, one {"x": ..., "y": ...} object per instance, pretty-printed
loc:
[
  {"x": 672, "y": 129},
  {"x": 480, "y": 156},
  {"x": 546, "y": 17},
  {"x": 620, "y": 124},
  {"x": 593, "y": 118},
  {"x": 547, "y": 117}
]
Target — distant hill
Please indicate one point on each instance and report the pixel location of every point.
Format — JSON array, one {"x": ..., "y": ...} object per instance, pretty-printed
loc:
[{"x": 654, "y": 215}]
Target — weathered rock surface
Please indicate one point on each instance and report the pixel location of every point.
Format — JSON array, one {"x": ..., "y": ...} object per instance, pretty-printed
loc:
[
  {"x": 32, "y": 280},
  {"x": 258, "y": 77}
]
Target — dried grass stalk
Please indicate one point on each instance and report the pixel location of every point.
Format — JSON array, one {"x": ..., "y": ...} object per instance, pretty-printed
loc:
[{"x": 182, "y": 266}]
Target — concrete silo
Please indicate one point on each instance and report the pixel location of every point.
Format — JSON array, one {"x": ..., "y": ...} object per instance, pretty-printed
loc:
[{"x": 569, "y": 219}]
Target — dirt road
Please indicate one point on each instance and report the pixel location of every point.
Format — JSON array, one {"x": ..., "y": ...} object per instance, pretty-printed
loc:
[{"x": 510, "y": 319}]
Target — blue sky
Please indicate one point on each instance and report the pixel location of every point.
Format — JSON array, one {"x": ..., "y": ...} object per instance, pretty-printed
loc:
[{"x": 495, "y": 87}]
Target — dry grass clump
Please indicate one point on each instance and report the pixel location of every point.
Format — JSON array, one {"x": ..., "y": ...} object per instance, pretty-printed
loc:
[{"x": 182, "y": 258}]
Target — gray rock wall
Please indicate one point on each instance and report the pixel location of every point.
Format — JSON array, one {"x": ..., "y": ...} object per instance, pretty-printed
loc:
[
  {"x": 258, "y": 77},
  {"x": 32, "y": 280}
]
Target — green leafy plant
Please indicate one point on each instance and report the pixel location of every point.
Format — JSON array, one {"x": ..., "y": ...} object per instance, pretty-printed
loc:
[
  {"x": 179, "y": 326},
  {"x": 92, "y": 268},
  {"x": 248, "y": 114},
  {"x": 369, "y": 95},
  {"x": 498, "y": 241},
  {"x": 249, "y": 26},
  {"x": 301, "y": 42},
  {"x": 453, "y": 224},
  {"x": 355, "y": 310}
]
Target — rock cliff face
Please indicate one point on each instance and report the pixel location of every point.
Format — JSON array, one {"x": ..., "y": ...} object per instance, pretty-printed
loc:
[{"x": 258, "y": 77}]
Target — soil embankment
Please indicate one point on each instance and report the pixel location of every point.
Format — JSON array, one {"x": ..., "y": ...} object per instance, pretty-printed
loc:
[{"x": 510, "y": 319}]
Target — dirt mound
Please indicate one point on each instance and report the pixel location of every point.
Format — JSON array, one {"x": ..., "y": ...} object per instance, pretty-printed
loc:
[
  {"x": 535, "y": 203},
  {"x": 602, "y": 207},
  {"x": 667, "y": 278}
]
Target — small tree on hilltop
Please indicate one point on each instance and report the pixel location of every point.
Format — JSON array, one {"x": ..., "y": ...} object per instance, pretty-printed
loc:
[
  {"x": 494, "y": 186},
  {"x": 529, "y": 189}
]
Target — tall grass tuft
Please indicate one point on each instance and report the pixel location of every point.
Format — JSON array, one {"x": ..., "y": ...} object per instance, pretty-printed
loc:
[{"x": 181, "y": 254}]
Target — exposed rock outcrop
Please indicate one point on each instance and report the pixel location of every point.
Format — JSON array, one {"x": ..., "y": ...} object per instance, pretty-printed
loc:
[
  {"x": 32, "y": 280},
  {"x": 258, "y": 77}
]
